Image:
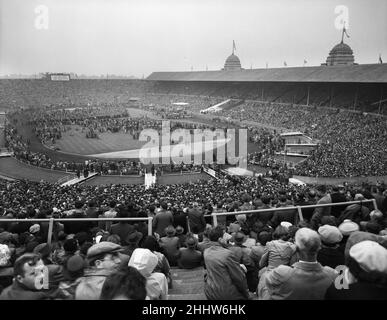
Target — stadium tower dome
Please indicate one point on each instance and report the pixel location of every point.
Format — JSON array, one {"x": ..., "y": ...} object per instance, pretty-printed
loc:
[
  {"x": 232, "y": 62},
  {"x": 341, "y": 54}
]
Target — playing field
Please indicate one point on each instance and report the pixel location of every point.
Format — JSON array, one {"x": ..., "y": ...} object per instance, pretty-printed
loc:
[{"x": 75, "y": 141}]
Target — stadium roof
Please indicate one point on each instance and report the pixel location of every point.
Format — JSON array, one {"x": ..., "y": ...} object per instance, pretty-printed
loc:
[{"x": 365, "y": 73}]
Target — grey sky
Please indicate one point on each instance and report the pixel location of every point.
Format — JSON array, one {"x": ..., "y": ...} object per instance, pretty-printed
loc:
[{"x": 136, "y": 37}]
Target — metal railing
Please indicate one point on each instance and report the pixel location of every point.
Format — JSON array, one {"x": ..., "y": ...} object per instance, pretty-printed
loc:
[
  {"x": 298, "y": 208},
  {"x": 52, "y": 220},
  {"x": 213, "y": 215}
]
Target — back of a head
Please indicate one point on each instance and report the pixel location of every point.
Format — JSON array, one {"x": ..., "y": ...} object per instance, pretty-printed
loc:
[
  {"x": 264, "y": 237},
  {"x": 215, "y": 233},
  {"x": 308, "y": 241},
  {"x": 322, "y": 188},
  {"x": 281, "y": 232},
  {"x": 265, "y": 200},
  {"x": 282, "y": 198},
  {"x": 150, "y": 242},
  {"x": 144, "y": 261},
  {"x": 78, "y": 204},
  {"x": 127, "y": 283}
]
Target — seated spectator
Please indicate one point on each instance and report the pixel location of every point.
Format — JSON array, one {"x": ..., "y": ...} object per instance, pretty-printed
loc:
[
  {"x": 103, "y": 259},
  {"x": 28, "y": 271},
  {"x": 189, "y": 257},
  {"x": 70, "y": 247},
  {"x": 73, "y": 272},
  {"x": 6, "y": 269},
  {"x": 163, "y": 266},
  {"x": 365, "y": 277},
  {"x": 347, "y": 228},
  {"x": 156, "y": 283},
  {"x": 375, "y": 224},
  {"x": 170, "y": 245},
  {"x": 180, "y": 234},
  {"x": 330, "y": 254},
  {"x": 258, "y": 250},
  {"x": 306, "y": 279},
  {"x": 133, "y": 240},
  {"x": 279, "y": 251},
  {"x": 125, "y": 284}
]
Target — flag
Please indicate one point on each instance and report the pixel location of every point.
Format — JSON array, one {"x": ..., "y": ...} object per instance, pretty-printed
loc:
[
  {"x": 345, "y": 31},
  {"x": 305, "y": 62},
  {"x": 380, "y": 59},
  {"x": 285, "y": 64}
]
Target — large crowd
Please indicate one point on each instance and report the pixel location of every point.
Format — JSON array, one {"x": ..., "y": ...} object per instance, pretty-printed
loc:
[
  {"x": 245, "y": 256},
  {"x": 352, "y": 144}
]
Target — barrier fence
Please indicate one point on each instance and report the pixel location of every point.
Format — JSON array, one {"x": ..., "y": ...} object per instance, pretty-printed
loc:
[
  {"x": 52, "y": 220},
  {"x": 298, "y": 208},
  {"x": 213, "y": 215}
]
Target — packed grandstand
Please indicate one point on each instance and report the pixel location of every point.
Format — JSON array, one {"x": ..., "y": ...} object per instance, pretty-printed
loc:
[{"x": 196, "y": 231}]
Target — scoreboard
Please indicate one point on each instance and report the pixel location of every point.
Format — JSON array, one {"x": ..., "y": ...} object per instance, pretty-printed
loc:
[{"x": 59, "y": 77}]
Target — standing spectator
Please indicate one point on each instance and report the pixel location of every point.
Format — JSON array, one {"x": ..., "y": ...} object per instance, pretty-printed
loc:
[
  {"x": 338, "y": 195},
  {"x": 283, "y": 215},
  {"x": 324, "y": 198},
  {"x": 162, "y": 220},
  {"x": 122, "y": 228},
  {"x": 225, "y": 278},
  {"x": 196, "y": 219}
]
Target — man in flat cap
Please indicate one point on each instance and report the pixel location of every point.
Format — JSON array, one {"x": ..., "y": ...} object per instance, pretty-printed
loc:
[
  {"x": 365, "y": 277},
  {"x": 103, "y": 259}
]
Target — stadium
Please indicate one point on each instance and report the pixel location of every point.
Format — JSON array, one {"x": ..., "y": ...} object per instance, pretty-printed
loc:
[{"x": 76, "y": 192}]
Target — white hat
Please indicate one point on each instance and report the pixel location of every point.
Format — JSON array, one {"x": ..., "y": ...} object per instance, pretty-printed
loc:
[
  {"x": 330, "y": 234},
  {"x": 144, "y": 261},
  {"x": 286, "y": 224},
  {"x": 370, "y": 255},
  {"x": 347, "y": 227}
]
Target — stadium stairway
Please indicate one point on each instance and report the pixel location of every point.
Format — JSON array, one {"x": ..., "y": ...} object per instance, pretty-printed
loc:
[
  {"x": 187, "y": 284},
  {"x": 77, "y": 180},
  {"x": 149, "y": 180}
]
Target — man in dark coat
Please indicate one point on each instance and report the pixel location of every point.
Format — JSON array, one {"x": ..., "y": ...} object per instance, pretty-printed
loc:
[{"x": 196, "y": 219}]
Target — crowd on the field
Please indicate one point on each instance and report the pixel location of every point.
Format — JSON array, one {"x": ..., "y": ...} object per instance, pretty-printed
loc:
[{"x": 246, "y": 256}]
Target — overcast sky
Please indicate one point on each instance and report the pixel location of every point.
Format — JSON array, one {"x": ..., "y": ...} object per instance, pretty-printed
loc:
[{"x": 137, "y": 37}]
